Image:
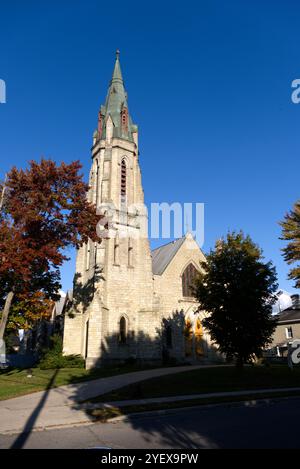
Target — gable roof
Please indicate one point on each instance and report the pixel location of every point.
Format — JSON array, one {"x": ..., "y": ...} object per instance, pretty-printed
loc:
[
  {"x": 289, "y": 314},
  {"x": 162, "y": 256}
]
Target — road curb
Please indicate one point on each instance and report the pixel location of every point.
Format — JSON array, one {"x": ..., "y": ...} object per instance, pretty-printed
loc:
[
  {"x": 150, "y": 413},
  {"x": 51, "y": 427}
]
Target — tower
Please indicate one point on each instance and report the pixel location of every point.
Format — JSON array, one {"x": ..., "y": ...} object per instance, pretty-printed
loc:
[{"x": 113, "y": 302}]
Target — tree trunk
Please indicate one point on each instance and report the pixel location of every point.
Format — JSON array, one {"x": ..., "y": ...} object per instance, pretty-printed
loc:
[{"x": 5, "y": 314}]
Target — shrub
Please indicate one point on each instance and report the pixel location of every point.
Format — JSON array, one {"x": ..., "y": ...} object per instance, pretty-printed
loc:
[{"x": 53, "y": 357}]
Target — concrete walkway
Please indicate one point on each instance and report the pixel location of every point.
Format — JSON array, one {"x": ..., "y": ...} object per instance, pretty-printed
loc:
[
  {"x": 60, "y": 406},
  {"x": 63, "y": 405}
]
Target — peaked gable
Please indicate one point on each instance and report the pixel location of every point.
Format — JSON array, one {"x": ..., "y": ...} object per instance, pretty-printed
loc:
[{"x": 162, "y": 256}]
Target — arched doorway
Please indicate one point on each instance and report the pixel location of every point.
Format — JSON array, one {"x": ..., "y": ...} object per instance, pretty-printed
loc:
[
  {"x": 199, "y": 344},
  {"x": 188, "y": 336},
  {"x": 194, "y": 343}
]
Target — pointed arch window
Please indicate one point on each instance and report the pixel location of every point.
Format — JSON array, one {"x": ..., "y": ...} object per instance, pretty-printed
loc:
[
  {"x": 116, "y": 250},
  {"x": 87, "y": 255},
  {"x": 130, "y": 253},
  {"x": 123, "y": 179},
  {"x": 188, "y": 279},
  {"x": 123, "y": 330},
  {"x": 188, "y": 335},
  {"x": 199, "y": 344},
  {"x": 96, "y": 182}
]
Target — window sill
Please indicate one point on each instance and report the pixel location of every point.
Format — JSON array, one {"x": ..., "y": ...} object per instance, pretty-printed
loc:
[{"x": 189, "y": 299}]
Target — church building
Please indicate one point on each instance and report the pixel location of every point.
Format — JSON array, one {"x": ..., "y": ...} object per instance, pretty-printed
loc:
[{"x": 130, "y": 303}]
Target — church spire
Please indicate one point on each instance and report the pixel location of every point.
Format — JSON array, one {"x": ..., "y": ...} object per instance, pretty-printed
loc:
[
  {"x": 117, "y": 74},
  {"x": 116, "y": 107},
  {"x": 116, "y": 96}
]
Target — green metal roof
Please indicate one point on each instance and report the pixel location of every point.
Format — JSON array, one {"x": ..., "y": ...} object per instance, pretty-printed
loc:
[{"x": 116, "y": 100}]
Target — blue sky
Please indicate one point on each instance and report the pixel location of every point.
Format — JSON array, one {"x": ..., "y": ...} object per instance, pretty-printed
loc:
[{"x": 209, "y": 84}]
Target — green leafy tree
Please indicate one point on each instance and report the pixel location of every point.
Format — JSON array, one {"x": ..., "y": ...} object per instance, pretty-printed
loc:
[
  {"x": 237, "y": 289},
  {"x": 291, "y": 233}
]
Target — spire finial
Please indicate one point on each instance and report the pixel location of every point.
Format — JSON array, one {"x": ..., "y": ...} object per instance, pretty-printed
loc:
[{"x": 117, "y": 54}]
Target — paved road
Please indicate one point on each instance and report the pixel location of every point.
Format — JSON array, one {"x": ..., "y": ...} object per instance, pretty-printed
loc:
[
  {"x": 59, "y": 406},
  {"x": 267, "y": 424}
]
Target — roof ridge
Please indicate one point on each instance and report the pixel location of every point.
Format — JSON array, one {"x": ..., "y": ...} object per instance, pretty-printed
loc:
[{"x": 170, "y": 242}]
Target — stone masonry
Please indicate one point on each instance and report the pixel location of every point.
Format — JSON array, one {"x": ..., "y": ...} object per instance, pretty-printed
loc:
[{"x": 123, "y": 308}]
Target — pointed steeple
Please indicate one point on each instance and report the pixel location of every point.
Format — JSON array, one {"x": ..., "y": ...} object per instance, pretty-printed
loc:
[
  {"x": 116, "y": 107},
  {"x": 117, "y": 74},
  {"x": 116, "y": 96}
]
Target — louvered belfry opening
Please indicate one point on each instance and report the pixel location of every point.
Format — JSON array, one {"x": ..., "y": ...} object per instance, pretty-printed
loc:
[
  {"x": 123, "y": 180},
  {"x": 124, "y": 121}
]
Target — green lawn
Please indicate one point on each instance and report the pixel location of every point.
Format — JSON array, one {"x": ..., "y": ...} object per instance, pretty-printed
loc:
[
  {"x": 16, "y": 383},
  {"x": 207, "y": 380}
]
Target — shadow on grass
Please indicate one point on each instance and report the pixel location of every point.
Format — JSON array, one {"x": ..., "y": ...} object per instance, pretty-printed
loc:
[{"x": 187, "y": 429}]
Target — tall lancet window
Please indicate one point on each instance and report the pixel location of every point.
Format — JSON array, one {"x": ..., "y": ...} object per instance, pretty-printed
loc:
[
  {"x": 188, "y": 279},
  {"x": 91, "y": 184},
  {"x": 95, "y": 254},
  {"x": 123, "y": 330},
  {"x": 116, "y": 250},
  {"x": 130, "y": 253},
  {"x": 87, "y": 255},
  {"x": 123, "y": 180},
  {"x": 96, "y": 182}
]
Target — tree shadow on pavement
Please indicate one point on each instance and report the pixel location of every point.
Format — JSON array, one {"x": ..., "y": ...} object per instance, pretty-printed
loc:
[
  {"x": 22, "y": 437},
  {"x": 160, "y": 350}
]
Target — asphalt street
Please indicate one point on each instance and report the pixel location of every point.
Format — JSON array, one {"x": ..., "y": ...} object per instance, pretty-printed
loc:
[{"x": 257, "y": 424}]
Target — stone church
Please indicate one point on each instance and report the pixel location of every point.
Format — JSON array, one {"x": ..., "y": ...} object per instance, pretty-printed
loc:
[{"x": 130, "y": 303}]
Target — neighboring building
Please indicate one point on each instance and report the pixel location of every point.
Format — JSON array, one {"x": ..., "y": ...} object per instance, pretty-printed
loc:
[
  {"x": 288, "y": 328},
  {"x": 130, "y": 303},
  {"x": 24, "y": 346}
]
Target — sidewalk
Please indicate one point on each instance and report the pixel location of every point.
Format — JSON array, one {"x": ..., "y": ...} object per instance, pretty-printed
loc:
[{"x": 60, "y": 406}]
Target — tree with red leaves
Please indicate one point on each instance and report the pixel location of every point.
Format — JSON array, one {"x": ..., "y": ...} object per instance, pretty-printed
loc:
[{"x": 44, "y": 210}]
